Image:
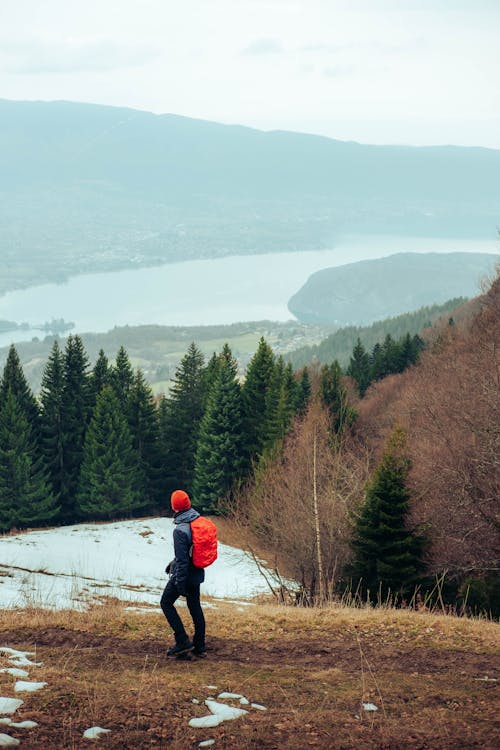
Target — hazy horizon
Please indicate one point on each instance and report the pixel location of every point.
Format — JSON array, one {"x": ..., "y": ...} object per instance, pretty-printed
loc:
[
  {"x": 372, "y": 71},
  {"x": 245, "y": 125}
]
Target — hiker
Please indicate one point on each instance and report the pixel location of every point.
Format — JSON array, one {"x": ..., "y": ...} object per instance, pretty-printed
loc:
[{"x": 185, "y": 579}]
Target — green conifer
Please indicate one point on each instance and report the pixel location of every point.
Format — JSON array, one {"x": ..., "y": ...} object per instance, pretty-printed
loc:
[
  {"x": 13, "y": 379},
  {"x": 359, "y": 367},
  {"x": 108, "y": 485},
  {"x": 304, "y": 391},
  {"x": 122, "y": 378},
  {"x": 26, "y": 498},
  {"x": 219, "y": 460},
  {"x": 76, "y": 403},
  {"x": 101, "y": 375},
  {"x": 181, "y": 419},
  {"x": 386, "y": 554},
  {"x": 255, "y": 393},
  {"x": 52, "y": 417},
  {"x": 145, "y": 430},
  {"x": 333, "y": 394}
]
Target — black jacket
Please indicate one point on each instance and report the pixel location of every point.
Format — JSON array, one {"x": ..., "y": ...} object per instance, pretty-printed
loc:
[{"x": 184, "y": 573}]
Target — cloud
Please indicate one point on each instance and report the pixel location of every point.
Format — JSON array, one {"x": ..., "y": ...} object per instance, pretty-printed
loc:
[
  {"x": 264, "y": 46},
  {"x": 340, "y": 71},
  {"x": 72, "y": 55}
]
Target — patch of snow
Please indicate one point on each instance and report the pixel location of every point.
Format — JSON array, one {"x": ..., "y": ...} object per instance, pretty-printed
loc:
[
  {"x": 227, "y": 713},
  {"x": 15, "y": 672},
  {"x": 8, "y": 741},
  {"x": 370, "y": 707},
  {"x": 14, "y": 652},
  {"x": 258, "y": 706},
  {"x": 195, "y": 700},
  {"x": 9, "y": 705},
  {"x": 58, "y": 568},
  {"x": 210, "y": 687},
  {"x": 94, "y": 733},
  {"x": 28, "y": 687},
  {"x": 206, "y": 743},
  {"x": 203, "y": 722},
  {"x": 24, "y": 724},
  {"x": 22, "y": 661},
  {"x": 233, "y": 696}
]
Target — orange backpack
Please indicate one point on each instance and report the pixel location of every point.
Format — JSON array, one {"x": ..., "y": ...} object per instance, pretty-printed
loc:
[{"x": 204, "y": 537}]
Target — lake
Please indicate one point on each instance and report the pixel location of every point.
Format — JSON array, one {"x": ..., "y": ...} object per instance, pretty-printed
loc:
[{"x": 201, "y": 292}]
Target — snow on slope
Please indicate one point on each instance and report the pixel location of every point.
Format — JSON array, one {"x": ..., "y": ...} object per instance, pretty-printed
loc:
[{"x": 72, "y": 565}]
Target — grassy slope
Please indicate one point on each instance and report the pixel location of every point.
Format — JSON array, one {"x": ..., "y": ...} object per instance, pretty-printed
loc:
[{"x": 311, "y": 669}]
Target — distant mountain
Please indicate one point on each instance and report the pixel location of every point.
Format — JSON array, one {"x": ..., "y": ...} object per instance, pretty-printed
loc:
[
  {"x": 360, "y": 293},
  {"x": 85, "y": 187}
]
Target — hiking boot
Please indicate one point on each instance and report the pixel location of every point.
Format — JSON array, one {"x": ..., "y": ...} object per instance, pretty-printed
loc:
[
  {"x": 200, "y": 652},
  {"x": 180, "y": 648}
]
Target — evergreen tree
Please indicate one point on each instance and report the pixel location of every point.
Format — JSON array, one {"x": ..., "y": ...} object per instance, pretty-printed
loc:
[
  {"x": 255, "y": 393},
  {"x": 359, "y": 367},
  {"x": 76, "y": 400},
  {"x": 210, "y": 376},
  {"x": 292, "y": 390},
  {"x": 219, "y": 461},
  {"x": 304, "y": 392},
  {"x": 281, "y": 404},
  {"x": 101, "y": 375},
  {"x": 334, "y": 396},
  {"x": 13, "y": 379},
  {"x": 182, "y": 417},
  {"x": 108, "y": 485},
  {"x": 378, "y": 364},
  {"x": 52, "y": 417},
  {"x": 25, "y": 495},
  {"x": 122, "y": 378},
  {"x": 386, "y": 555},
  {"x": 145, "y": 430},
  {"x": 274, "y": 426},
  {"x": 391, "y": 353}
]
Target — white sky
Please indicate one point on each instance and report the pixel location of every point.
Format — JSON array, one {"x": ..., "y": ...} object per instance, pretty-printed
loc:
[{"x": 378, "y": 71}]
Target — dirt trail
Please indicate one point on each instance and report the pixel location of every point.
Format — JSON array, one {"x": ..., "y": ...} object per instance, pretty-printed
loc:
[{"x": 430, "y": 698}]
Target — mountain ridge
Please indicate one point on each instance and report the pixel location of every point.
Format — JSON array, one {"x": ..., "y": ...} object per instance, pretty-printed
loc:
[
  {"x": 362, "y": 292},
  {"x": 88, "y": 187}
]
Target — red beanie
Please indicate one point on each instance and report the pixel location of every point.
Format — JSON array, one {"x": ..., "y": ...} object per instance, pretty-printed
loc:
[{"x": 180, "y": 500}]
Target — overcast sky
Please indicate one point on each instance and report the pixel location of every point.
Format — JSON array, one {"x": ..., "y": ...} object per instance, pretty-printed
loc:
[{"x": 376, "y": 71}]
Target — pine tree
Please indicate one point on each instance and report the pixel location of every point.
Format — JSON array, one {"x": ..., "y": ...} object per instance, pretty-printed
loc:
[
  {"x": 25, "y": 495},
  {"x": 359, "y": 367},
  {"x": 108, "y": 485},
  {"x": 182, "y": 417},
  {"x": 122, "y": 378},
  {"x": 281, "y": 404},
  {"x": 13, "y": 379},
  {"x": 255, "y": 393},
  {"x": 304, "y": 392},
  {"x": 76, "y": 400},
  {"x": 386, "y": 555},
  {"x": 334, "y": 396},
  {"x": 219, "y": 460},
  {"x": 101, "y": 376},
  {"x": 52, "y": 417},
  {"x": 145, "y": 430},
  {"x": 292, "y": 390},
  {"x": 210, "y": 375}
]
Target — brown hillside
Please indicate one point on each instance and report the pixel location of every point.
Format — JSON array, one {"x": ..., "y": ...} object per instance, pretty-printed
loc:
[{"x": 450, "y": 406}]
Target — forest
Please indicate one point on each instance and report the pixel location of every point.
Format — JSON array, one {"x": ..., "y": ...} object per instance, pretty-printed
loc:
[{"x": 375, "y": 482}]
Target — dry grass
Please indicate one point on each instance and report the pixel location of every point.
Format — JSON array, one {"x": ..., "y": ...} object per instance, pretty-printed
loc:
[{"x": 312, "y": 669}]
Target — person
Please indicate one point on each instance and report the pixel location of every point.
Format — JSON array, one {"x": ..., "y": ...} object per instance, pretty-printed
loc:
[{"x": 185, "y": 580}]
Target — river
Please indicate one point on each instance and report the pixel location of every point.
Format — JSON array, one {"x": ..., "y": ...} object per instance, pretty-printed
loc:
[{"x": 201, "y": 292}]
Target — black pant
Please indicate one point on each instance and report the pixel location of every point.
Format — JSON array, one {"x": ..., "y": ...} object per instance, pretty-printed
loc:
[{"x": 169, "y": 597}]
